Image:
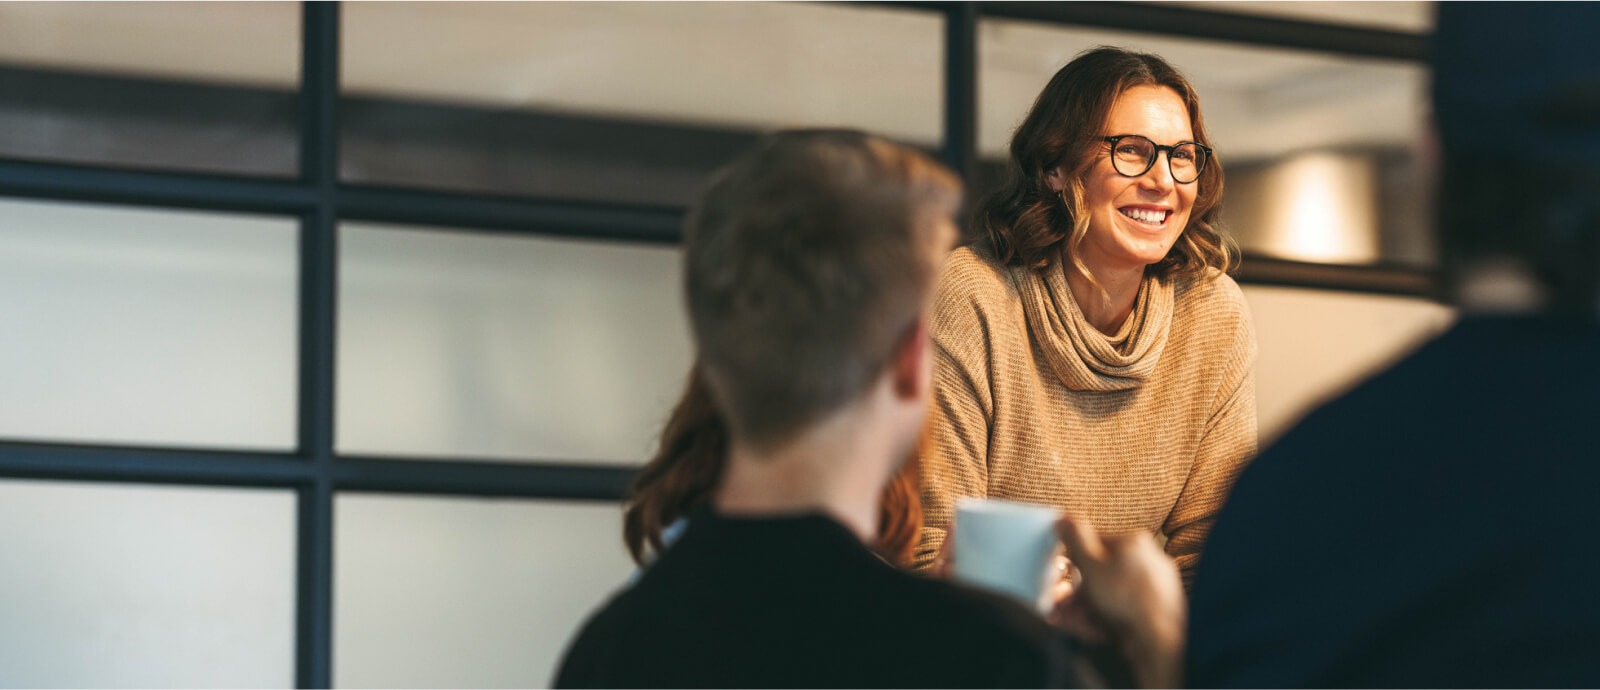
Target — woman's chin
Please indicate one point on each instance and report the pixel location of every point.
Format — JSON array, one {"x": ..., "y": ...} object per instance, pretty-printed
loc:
[{"x": 1145, "y": 256}]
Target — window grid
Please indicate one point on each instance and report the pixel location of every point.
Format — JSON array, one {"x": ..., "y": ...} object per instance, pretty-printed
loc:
[{"x": 317, "y": 198}]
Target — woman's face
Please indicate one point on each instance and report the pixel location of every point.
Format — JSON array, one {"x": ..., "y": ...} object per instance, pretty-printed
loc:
[{"x": 1133, "y": 221}]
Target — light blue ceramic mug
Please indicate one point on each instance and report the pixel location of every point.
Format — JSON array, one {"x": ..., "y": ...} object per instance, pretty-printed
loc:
[{"x": 1005, "y": 546}]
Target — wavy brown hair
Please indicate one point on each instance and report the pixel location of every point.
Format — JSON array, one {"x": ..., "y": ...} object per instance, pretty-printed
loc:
[
  {"x": 689, "y": 463},
  {"x": 1026, "y": 223}
]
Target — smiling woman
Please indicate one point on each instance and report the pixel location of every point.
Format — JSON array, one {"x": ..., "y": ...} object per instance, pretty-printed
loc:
[{"x": 1092, "y": 352}]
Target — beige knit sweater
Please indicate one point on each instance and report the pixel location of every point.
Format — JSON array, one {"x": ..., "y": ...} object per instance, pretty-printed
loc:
[{"x": 1142, "y": 431}]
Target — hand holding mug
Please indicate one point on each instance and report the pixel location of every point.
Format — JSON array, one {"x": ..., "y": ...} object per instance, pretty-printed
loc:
[{"x": 1132, "y": 596}]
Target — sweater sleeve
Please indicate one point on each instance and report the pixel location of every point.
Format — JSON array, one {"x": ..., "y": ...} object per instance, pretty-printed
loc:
[
  {"x": 1227, "y": 443},
  {"x": 958, "y": 448},
  {"x": 956, "y": 451}
]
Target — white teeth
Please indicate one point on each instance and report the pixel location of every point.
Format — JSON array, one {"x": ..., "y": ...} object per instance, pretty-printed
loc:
[{"x": 1144, "y": 216}]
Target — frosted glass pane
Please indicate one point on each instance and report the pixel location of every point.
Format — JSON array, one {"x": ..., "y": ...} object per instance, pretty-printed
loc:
[
  {"x": 1316, "y": 344},
  {"x": 696, "y": 62},
  {"x": 459, "y": 593},
  {"x": 144, "y": 587},
  {"x": 198, "y": 86},
  {"x": 629, "y": 101},
  {"x": 134, "y": 326},
  {"x": 497, "y": 347},
  {"x": 254, "y": 43}
]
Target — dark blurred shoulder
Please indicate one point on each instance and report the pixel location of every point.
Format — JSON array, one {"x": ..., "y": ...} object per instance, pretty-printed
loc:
[{"x": 1009, "y": 645}]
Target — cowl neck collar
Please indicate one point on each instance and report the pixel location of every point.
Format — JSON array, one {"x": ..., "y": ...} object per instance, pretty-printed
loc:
[{"x": 1081, "y": 356}]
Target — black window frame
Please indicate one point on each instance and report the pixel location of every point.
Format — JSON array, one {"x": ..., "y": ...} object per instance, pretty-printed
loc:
[{"x": 320, "y": 201}]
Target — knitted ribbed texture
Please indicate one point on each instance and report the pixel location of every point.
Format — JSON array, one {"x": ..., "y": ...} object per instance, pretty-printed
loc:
[
  {"x": 1142, "y": 431},
  {"x": 1083, "y": 357}
]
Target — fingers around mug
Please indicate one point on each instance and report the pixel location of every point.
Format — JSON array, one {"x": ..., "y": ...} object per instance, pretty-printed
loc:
[
  {"x": 1061, "y": 591},
  {"x": 1073, "y": 616},
  {"x": 1083, "y": 543},
  {"x": 942, "y": 560}
]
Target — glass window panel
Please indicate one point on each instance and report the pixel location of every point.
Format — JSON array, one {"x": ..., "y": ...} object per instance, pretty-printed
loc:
[
  {"x": 133, "y": 326},
  {"x": 1319, "y": 149},
  {"x": 619, "y": 101},
  {"x": 145, "y": 587},
  {"x": 1413, "y": 17},
  {"x": 489, "y": 594},
  {"x": 207, "y": 86},
  {"x": 502, "y": 347},
  {"x": 1318, "y": 343}
]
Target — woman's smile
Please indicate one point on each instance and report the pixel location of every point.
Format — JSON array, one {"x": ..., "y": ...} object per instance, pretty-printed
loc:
[{"x": 1152, "y": 217}]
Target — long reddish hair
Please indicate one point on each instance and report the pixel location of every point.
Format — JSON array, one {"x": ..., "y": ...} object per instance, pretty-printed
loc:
[{"x": 689, "y": 463}]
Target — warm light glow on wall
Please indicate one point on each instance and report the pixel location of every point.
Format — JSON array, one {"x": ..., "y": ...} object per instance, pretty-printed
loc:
[
  {"x": 1322, "y": 207},
  {"x": 1319, "y": 207}
]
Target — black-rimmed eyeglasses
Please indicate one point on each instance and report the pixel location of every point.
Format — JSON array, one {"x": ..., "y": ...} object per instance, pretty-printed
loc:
[{"x": 1133, "y": 155}]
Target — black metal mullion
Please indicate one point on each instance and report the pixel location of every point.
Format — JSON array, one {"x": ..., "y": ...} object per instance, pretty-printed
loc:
[
  {"x": 547, "y": 478},
  {"x": 961, "y": 88},
  {"x": 72, "y": 462},
  {"x": 1232, "y": 27},
  {"x": 319, "y": 236},
  {"x": 314, "y": 586},
  {"x": 319, "y": 256},
  {"x": 455, "y": 210},
  {"x": 149, "y": 188},
  {"x": 598, "y": 482}
]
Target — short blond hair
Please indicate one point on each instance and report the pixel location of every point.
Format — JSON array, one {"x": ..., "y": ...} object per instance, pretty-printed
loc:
[{"x": 808, "y": 259}]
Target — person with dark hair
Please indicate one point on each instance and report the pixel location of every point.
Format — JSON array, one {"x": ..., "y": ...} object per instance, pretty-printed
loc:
[
  {"x": 1090, "y": 351},
  {"x": 809, "y": 263},
  {"x": 1426, "y": 529}
]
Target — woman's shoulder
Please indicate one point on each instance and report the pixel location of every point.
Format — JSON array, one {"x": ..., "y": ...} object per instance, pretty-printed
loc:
[
  {"x": 1210, "y": 307},
  {"x": 973, "y": 281},
  {"x": 972, "y": 289},
  {"x": 972, "y": 272},
  {"x": 1209, "y": 294},
  {"x": 976, "y": 307}
]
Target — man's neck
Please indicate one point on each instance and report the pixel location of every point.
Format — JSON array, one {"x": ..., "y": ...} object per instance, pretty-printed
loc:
[{"x": 837, "y": 467}]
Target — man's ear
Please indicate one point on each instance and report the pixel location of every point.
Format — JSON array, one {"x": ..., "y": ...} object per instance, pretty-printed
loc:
[{"x": 912, "y": 367}]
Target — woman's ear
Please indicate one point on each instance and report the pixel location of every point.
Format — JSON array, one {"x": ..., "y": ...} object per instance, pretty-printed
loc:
[{"x": 1056, "y": 179}]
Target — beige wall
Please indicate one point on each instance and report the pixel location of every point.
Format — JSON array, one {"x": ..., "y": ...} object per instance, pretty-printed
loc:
[{"x": 1318, "y": 343}]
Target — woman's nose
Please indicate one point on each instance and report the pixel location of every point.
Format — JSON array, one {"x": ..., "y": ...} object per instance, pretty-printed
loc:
[{"x": 1159, "y": 176}]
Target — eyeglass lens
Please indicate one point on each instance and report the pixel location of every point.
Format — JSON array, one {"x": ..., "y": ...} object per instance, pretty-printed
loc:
[{"x": 1134, "y": 155}]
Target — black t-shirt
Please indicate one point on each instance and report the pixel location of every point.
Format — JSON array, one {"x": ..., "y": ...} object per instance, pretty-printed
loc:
[
  {"x": 1433, "y": 528},
  {"x": 801, "y": 602}
]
